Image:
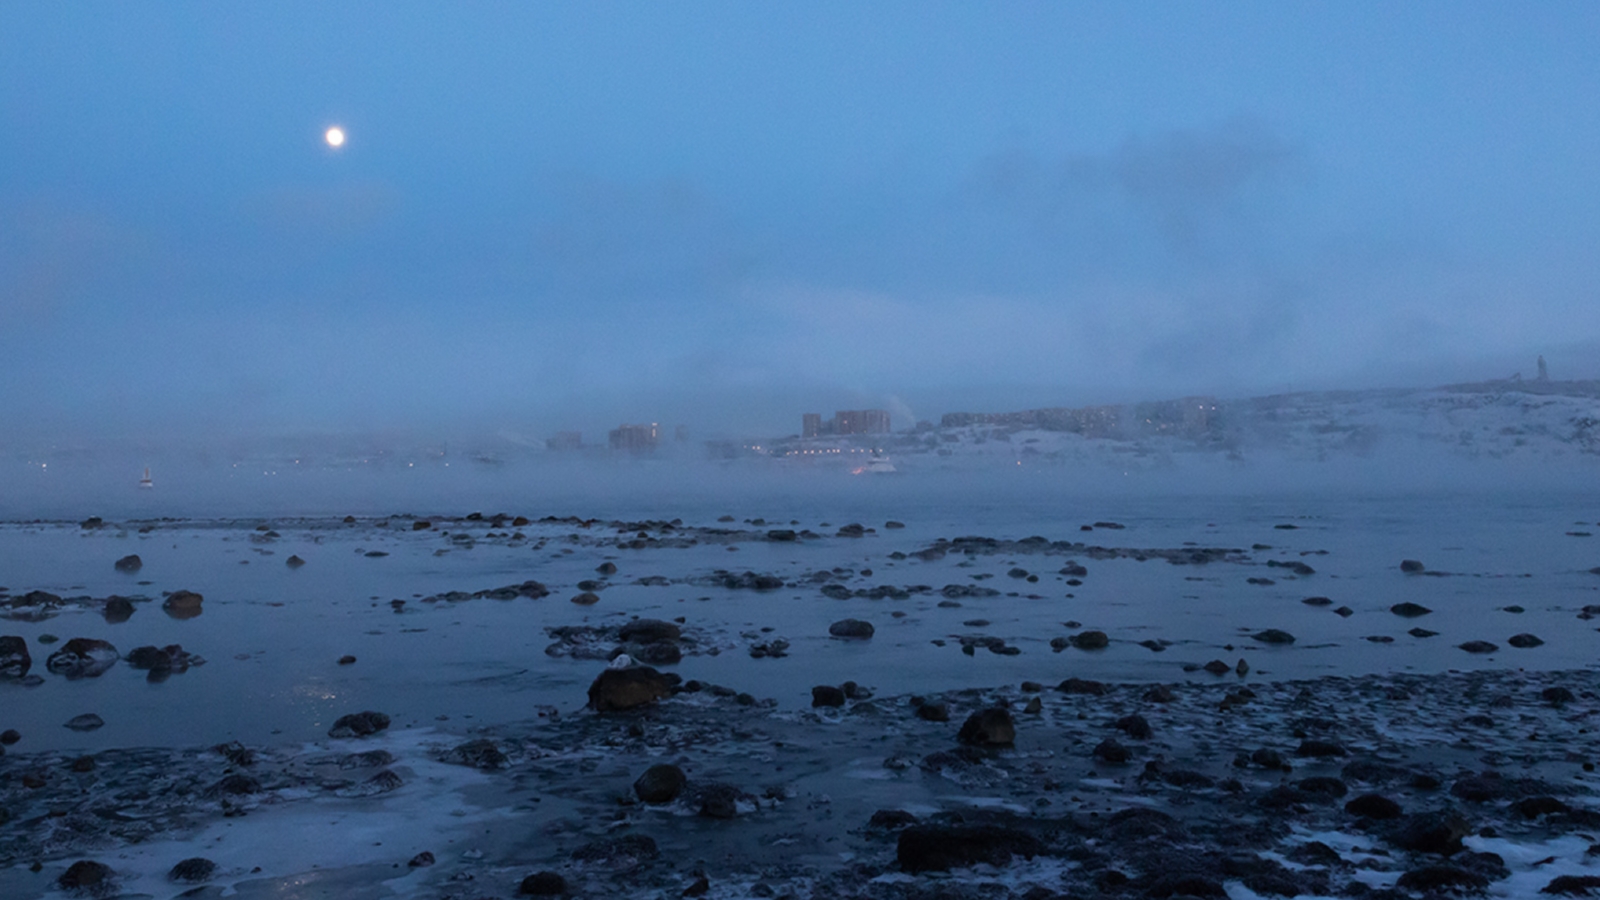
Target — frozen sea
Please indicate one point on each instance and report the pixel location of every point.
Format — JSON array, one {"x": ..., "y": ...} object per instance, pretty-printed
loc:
[
  {"x": 1502, "y": 559},
  {"x": 1513, "y": 561}
]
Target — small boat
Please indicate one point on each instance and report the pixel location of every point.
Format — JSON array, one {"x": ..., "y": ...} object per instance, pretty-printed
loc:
[
  {"x": 145, "y": 482},
  {"x": 879, "y": 464}
]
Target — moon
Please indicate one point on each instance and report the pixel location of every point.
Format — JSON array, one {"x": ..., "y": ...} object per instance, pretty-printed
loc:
[{"x": 335, "y": 137}]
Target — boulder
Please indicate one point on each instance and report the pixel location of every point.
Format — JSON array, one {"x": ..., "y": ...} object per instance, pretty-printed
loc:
[
  {"x": 614, "y": 690},
  {"x": 649, "y": 631},
  {"x": 991, "y": 727},
  {"x": 358, "y": 724},
  {"x": 1134, "y": 726},
  {"x": 660, "y": 784},
  {"x": 1447, "y": 879},
  {"x": 1479, "y": 647},
  {"x": 1109, "y": 750},
  {"x": 86, "y": 875},
  {"x": 1274, "y": 636},
  {"x": 129, "y": 563},
  {"x": 85, "y": 722},
  {"x": 1373, "y": 806},
  {"x": 117, "y": 610},
  {"x": 1412, "y": 566},
  {"x": 182, "y": 604},
  {"x": 1082, "y": 686},
  {"x": 82, "y": 658},
  {"x": 294, "y": 562},
  {"x": 14, "y": 658},
  {"x": 937, "y": 848},
  {"x": 1409, "y": 610},
  {"x": 481, "y": 753},
  {"x": 1090, "y": 640},
  {"x": 621, "y": 853},
  {"x": 1438, "y": 832},
  {"x": 1524, "y": 641},
  {"x": 851, "y": 628},
  {"x": 827, "y": 695},
  {"x": 543, "y": 884},
  {"x": 587, "y": 598},
  {"x": 1572, "y": 885}
]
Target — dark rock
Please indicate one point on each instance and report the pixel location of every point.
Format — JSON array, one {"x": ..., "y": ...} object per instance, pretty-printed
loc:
[
  {"x": 718, "y": 801},
  {"x": 1134, "y": 726},
  {"x": 479, "y": 754},
  {"x": 622, "y": 852},
  {"x": 988, "y": 728},
  {"x": 614, "y": 690},
  {"x": 10, "y": 736},
  {"x": 193, "y": 870},
  {"x": 1268, "y": 758},
  {"x": 1319, "y": 748},
  {"x": 1534, "y": 807},
  {"x": 1217, "y": 667},
  {"x": 1090, "y": 640},
  {"x": 1438, "y": 832},
  {"x": 1322, "y": 786},
  {"x": 1422, "y": 633},
  {"x": 891, "y": 819},
  {"x": 82, "y": 658},
  {"x": 85, "y": 722},
  {"x": 182, "y": 604},
  {"x": 1478, "y": 647},
  {"x": 1185, "y": 886},
  {"x": 587, "y": 598},
  {"x": 129, "y": 563},
  {"x": 421, "y": 860},
  {"x": 1572, "y": 885},
  {"x": 1411, "y": 566},
  {"x": 1158, "y": 693},
  {"x": 649, "y": 631},
  {"x": 933, "y": 712},
  {"x": 347, "y": 660},
  {"x": 1082, "y": 686},
  {"x": 1442, "y": 878},
  {"x": 117, "y": 610},
  {"x": 85, "y": 874},
  {"x": 1344, "y": 612},
  {"x": 15, "y": 661},
  {"x": 1274, "y": 636},
  {"x": 1524, "y": 641},
  {"x": 1317, "y": 601},
  {"x": 826, "y": 695},
  {"x": 1373, "y": 806},
  {"x": 851, "y": 628},
  {"x": 937, "y": 848},
  {"x": 1409, "y": 610},
  {"x": 660, "y": 784},
  {"x": 1557, "y": 696},
  {"x": 358, "y": 724},
  {"x": 1109, "y": 750},
  {"x": 1315, "y": 853},
  {"x": 543, "y": 884},
  {"x": 294, "y": 562}
]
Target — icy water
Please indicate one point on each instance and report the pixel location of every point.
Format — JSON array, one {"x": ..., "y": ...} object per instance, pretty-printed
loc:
[
  {"x": 314, "y": 823},
  {"x": 271, "y": 635}
]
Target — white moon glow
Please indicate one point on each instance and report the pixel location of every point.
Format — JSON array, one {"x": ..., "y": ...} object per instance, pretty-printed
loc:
[{"x": 334, "y": 136}]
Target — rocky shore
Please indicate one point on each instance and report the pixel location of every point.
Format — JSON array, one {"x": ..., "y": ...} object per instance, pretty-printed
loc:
[{"x": 1376, "y": 787}]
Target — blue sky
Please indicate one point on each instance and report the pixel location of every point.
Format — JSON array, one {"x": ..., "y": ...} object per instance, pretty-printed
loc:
[{"x": 570, "y": 215}]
